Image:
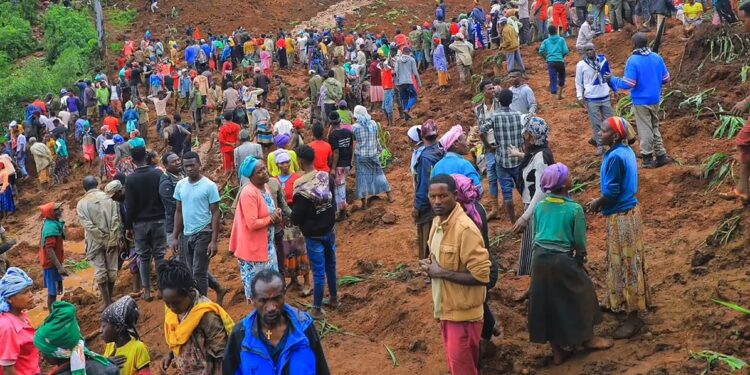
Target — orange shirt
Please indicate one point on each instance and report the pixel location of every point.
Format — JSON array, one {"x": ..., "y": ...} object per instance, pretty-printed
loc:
[
  {"x": 323, "y": 153},
  {"x": 112, "y": 123}
]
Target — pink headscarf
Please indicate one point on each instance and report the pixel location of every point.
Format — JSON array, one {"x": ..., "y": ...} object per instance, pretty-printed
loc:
[
  {"x": 467, "y": 194},
  {"x": 555, "y": 176},
  {"x": 450, "y": 137}
]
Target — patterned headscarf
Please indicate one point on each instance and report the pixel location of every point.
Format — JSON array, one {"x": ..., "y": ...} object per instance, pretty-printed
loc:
[
  {"x": 123, "y": 313},
  {"x": 538, "y": 129},
  {"x": 555, "y": 176},
  {"x": 450, "y": 137},
  {"x": 13, "y": 283},
  {"x": 620, "y": 126},
  {"x": 363, "y": 118},
  {"x": 113, "y": 187},
  {"x": 467, "y": 194}
]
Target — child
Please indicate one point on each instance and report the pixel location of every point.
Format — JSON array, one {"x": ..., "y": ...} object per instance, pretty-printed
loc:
[
  {"x": 119, "y": 332},
  {"x": 51, "y": 250}
]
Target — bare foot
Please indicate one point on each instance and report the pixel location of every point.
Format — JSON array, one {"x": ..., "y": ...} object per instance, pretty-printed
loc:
[
  {"x": 559, "y": 356},
  {"x": 598, "y": 343},
  {"x": 306, "y": 291}
]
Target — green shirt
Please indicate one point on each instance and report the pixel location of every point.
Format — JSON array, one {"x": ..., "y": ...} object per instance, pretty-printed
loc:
[
  {"x": 560, "y": 224},
  {"x": 102, "y": 96}
]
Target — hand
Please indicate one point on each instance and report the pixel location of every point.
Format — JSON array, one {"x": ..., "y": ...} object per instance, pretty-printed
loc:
[
  {"x": 739, "y": 108},
  {"x": 431, "y": 266},
  {"x": 166, "y": 362},
  {"x": 514, "y": 151},
  {"x": 581, "y": 258},
  {"x": 594, "y": 205},
  {"x": 582, "y": 103},
  {"x": 129, "y": 234},
  {"x": 175, "y": 244},
  {"x": 608, "y": 77},
  {"x": 520, "y": 225},
  {"x": 62, "y": 271},
  {"x": 212, "y": 249},
  {"x": 118, "y": 361}
]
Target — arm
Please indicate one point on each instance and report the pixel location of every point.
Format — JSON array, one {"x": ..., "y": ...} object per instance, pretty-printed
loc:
[
  {"x": 580, "y": 89},
  {"x": 543, "y": 48},
  {"x": 250, "y": 207},
  {"x": 331, "y": 166},
  {"x": 531, "y": 99},
  {"x": 579, "y": 233},
  {"x": 300, "y": 209},
  {"x": 178, "y": 225},
  {"x": 49, "y": 249},
  {"x": 611, "y": 182},
  {"x": 233, "y": 349},
  {"x": 628, "y": 81},
  {"x": 88, "y": 224},
  {"x": 334, "y": 160}
]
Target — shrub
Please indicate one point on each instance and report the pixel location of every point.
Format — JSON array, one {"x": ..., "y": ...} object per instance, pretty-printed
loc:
[
  {"x": 122, "y": 18},
  {"x": 27, "y": 9},
  {"x": 15, "y": 33},
  {"x": 65, "y": 28}
]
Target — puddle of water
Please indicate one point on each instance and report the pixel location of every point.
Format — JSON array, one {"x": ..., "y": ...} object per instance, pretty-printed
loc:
[{"x": 83, "y": 278}]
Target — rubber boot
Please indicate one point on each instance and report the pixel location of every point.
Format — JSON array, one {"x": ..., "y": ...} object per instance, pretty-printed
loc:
[{"x": 648, "y": 161}]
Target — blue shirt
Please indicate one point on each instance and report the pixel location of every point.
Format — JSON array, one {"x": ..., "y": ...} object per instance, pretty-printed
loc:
[
  {"x": 453, "y": 163},
  {"x": 191, "y": 53},
  {"x": 196, "y": 202},
  {"x": 619, "y": 180},
  {"x": 644, "y": 77}
]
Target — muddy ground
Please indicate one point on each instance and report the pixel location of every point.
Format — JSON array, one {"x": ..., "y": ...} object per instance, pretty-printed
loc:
[{"x": 392, "y": 307}]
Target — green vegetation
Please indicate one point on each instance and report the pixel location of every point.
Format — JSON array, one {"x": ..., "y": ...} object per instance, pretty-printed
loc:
[
  {"x": 116, "y": 47},
  {"x": 391, "y": 355},
  {"x": 122, "y": 18},
  {"x": 721, "y": 236},
  {"x": 349, "y": 280},
  {"x": 227, "y": 198},
  {"x": 384, "y": 137},
  {"x": 66, "y": 28},
  {"x": 712, "y": 357},
  {"x": 27, "y": 9},
  {"x": 730, "y": 126},
  {"x": 77, "y": 265},
  {"x": 717, "y": 167},
  {"x": 15, "y": 33}
]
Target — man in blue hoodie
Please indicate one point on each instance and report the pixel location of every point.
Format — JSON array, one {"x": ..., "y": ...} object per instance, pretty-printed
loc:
[
  {"x": 645, "y": 74},
  {"x": 275, "y": 338},
  {"x": 191, "y": 53},
  {"x": 554, "y": 49},
  {"x": 428, "y": 155}
]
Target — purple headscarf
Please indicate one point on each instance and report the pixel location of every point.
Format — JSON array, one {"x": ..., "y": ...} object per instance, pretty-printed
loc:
[
  {"x": 467, "y": 194},
  {"x": 449, "y": 138},
  {"x": 555, "y": 176},
  {"x": 281, "y": 140}
]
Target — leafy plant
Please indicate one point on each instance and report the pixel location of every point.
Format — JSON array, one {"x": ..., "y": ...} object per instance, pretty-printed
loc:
[
  {"x": 724, "y": 232},
  {"x": 579, "y": 187},
  {"x": 77, "y": 265},
  {"x": 717, "y": 167},
  {"x": 15, "y": 33},
  {"x": 349, "y": 280},
  {"x": 743, "y": 72},
  {"x": 401, "y": 272},
  {"x": 733, "y": 306},
  {"x": 65, "y": 28},
  {"x": 712, "y": 357},
  {"x": 391, "y": 355},
  {"x": 122, "y": 18},
  {"x": 730, "y": 126},
  {"x": 697, "y": 99},
  {"x": 116, "y": 47},
  {"x": 625, "y": 108},
  {"x": 226, "y": 201},
  {"x": 384, "y": 137},
  {"x": 326, "y": 328},
  {"x": 724, "y": 49}
]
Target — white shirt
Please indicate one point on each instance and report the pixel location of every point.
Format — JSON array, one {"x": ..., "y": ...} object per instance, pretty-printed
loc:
[
  {"x": 64, "y": 117},
  {"x": 282, "y": 126}
]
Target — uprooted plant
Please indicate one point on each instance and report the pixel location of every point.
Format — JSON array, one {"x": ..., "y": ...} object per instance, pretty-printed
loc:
[
  {"x": 713, "y": 358},
  {"x": 722, "y": 235},
  {"x": 728, "y": 46},
  {"x": 716, "y": 168},
  {"x": 729, "y": 127}
]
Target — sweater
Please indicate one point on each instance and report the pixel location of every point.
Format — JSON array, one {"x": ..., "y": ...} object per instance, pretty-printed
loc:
[
  {"x": 645, "y": 74},
  {"x": 619, "y": 180},
  {"x": 560, "y": 224},
  {"x": 249, "y": 238},
  {"x": 142, "y": 196},
  {"x": 406, "y": 69},
  {"x": 554, "y": 48},
  {"x": 590, "y": 82},
  {"x": 585, "y": 35}
]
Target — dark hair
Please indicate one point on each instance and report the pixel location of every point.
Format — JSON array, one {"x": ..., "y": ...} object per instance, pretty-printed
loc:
[
  {"x": 640, "y": 40},
  {"x": 191, "y": 155},
  {"x": 89, "y": 182},
  {"x": 267, "y": 275},
  {"x": 121, "y": 177},
  {"x": 165, "y": 157},
  {"x": 305, "y": 153},
  {"x": 552, "y": 29},
  {"x": 330, "y": 74},
  {"x": 484, "y": 84},
  {"x": 138, "y": 154},
  {"x": 505, "y": 97},
  {"x": 444, "y": 179},
  {"x": 317, "y": 130},
  {"x": 174, "y": 274},
  {"x": 745, "y": 8},
  {"x": 177, "y": 117},
  {"x": 167, "y": 121}
]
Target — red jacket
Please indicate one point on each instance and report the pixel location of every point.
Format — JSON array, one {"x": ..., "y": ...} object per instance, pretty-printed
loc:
[{"x": 229, "y": 135}]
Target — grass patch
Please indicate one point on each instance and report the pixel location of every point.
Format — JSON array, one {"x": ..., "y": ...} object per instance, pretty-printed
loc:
[
  {"x": 349, "y": 280},
  {"x": 76, "y": 266},
  {"x": 122, "y": 18},
  {"x": 116, "y": 47}
]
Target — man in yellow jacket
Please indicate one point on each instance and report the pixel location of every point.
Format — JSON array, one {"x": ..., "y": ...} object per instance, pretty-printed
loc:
[
  {"x": 510, "y": 46},
  {"x": 459, "y": 266}
]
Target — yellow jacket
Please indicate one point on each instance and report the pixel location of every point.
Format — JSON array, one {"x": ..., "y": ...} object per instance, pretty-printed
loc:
[
  {"x": 461, "y": 250},
  {"x": 510, "y": 39}
]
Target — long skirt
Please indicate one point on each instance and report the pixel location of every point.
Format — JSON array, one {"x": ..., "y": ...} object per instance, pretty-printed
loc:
[
  {"x": 443, "y": 78},
  {"x": 7, "y": 203},
  {"x": 340, "y": 180},
  {"x": 281, "y": 54},
  {"x": 294, "y": 251},
  {"x": 248, "y": 270},
  {"x": 110, "y": 169},
  {"x": 370, "y": 177},
  {"x": 376, "y": 94},
  {"x": 627, "y": 288},
  {"x": 62, "y": 170},
  {"x": 126, "y": 165},
  {"x": 562, "y": 303},
  {"x": 527, "y": 248}
]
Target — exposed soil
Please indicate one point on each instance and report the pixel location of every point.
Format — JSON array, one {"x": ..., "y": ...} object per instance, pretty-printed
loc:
[{"x": 392, "y": 307}]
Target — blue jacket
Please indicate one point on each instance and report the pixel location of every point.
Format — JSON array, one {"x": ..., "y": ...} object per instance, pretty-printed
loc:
[
  {"x": 619, "y": 179},
  {"x": 302, "y": 353},
  {"x": 554, "y": 48},
  {"x": 191, "y": 53},
  {"x": 645, "y": 74},
  {"x": 206, "y": 49},
  {"x": 453, "y": 163},
  {"x": 427, "y": 159}
]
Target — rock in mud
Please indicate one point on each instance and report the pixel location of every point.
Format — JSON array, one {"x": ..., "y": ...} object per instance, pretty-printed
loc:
[
  {"x": 365, "y": 267},
  {"x": 389, "y": 218},
  {"x": 418, "y": 346},
  {"x": 701, "y": 257},
  {"x": 699, "y": 271}
]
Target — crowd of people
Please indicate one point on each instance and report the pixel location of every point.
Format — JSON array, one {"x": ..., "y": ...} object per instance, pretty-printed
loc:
[{"x": 140, "y": 207}]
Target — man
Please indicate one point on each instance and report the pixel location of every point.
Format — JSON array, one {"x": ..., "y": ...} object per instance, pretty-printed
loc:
[
  {"x": 386, "y": 79},
  {"x": 99, "y": 216},
  {"x": 430, "y": 153},
  {"x": 524, "y": 100},
  {"x": 510, "y": 46},
  {"x": 464, "y": 51},
  {"x": 483, "y": 111},
  {"x": 160, "y": 105},
  {"x": 692, "y": 15},
  {"x": 275, "y": 337},
  {"x": 186, "y": 88},
  {"x": 406, "y": 71},
  {"x": 172, "y": 174},
  {"x": 334, "y": 91},
  {"x": 585, "y": 34},
  {"x": 175, "y": 135},
  {"x": 246, "y": 148},
  {"x": 459, "y": 266},
  {"x": 262, "y": 82},
  {"x": 315, "y": 82},
  {"x": 42, "y": 160},
  {"x": 90, "y": 100},
  {"x": 283, "y": 126},
  {"x": 231, "y": 98},
  {"x": 506, "y": 126},
  {"x": 144, "y": 222},
  {"x": 197, "y": 218},
  {"x": 426, "y": 44},
  {"x": 523, "y": 17},
  {"x": 645, "y": 74},
  {"x": 593, "y": 91},
  {"x": 540, "y": 16},
  {"x": 228, "y": 139},
  {"x": 339, "y": 73},
  {"x": 554, "y": 49},
  {"x": 21, "y": 151}
]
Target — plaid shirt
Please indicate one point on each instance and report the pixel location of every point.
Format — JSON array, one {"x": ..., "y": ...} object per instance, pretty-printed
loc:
[
  {"x": 507, "y": 127},
  {"x": 367, "y": 140}
]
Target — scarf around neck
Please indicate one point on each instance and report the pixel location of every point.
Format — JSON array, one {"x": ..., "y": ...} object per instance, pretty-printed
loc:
[
  {"x": 643, "y": 51},
  {"x": 315, "y": 187}
]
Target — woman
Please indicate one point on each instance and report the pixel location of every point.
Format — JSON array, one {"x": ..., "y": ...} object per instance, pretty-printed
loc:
[
  {"x": 536, "y": 158},
  {"x": 282, "y": 142},
  {"x": 265, "y": 61},
  {"x": 293, "y": 242},
  {"x": 61, "y": 344},
  {"x": 7, "y": 201},
  {"x": 136, "y": 140},
  {"x": 18, "y": 354},
  {"x": 627, "y": 288},
  {"x": 88, "y": 145},
  {"x": 131, "y": 118},
  {"x": 109, "y": 156},
  {"x": 123, "y": 161},
  {"x": 370, "y": 179},
  {"x": 119, "y": 332},
  {"x": 345, "y": 115},
  {"x": 454, "y": 142},
  {"x": 252, "y": 238},
  {"x": 441, "y": 64},
  {"x": 62, "y": 169},
  {"x": 42, "y": 159},
  {"x": 215, "y": 98},
  {"x": 562, "y": 303}
]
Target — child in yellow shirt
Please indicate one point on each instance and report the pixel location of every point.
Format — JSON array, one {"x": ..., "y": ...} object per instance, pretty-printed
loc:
[{"x": 119, "y": 332}]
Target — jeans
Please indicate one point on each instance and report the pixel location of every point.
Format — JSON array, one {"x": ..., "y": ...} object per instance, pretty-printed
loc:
[
  {"x": 507, "y": 179},
  {"x": 600, "y": 19},
  {"x": 556, "y": 70},
  {"x": 327, "y": 109},
  {"x": 491, "y": 173},
  {"x": 321, "y": 251},
  {"x": 541, "y": 30},
  {"x": 513, "y": 59},
  {"x": 194, "y": 252},
  {"x": 647, "y": 120},
  {"x": 408, "y": 96},
  {"x": 150, "y": 242},
  {"x": 598, "y": 112},
  {"x": 525, "y": 37},
  {"x": 21, "y": 161},
  {"x": 388, "y": 103}
]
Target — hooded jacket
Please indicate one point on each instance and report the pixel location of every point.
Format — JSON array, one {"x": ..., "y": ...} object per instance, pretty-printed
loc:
[
  {"x": 406, "y": 69},
  {"x": 428, "y": 157},
  {"x": 554, "y": 49}
]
